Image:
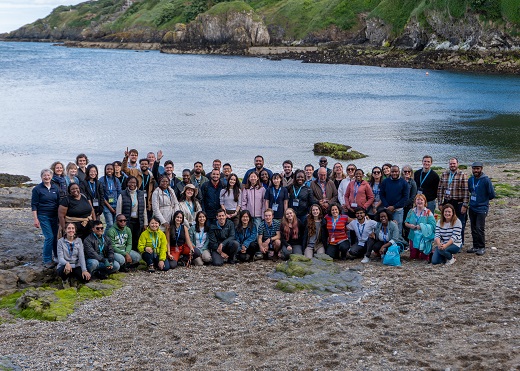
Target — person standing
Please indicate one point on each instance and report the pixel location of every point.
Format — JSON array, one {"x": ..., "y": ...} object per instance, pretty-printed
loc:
[
  {"x": 453, "y": 189},
  {"x": 323, "y": 164},
  {"x": 44, "y": 205},
  {"x": 210, "y": 192},
  {"x": 481, "y": 192},
  {"x": 394, "y": 195},
  {"x": 427, "y": 181},
  {"x": 324, "y": 190},
  {"x": 81, "y": 162},
  {"x": 112, "y": 190},
  {"x": 300, "y": 196},
  {"x": 288, "y": 175},
  {"x": 309, "y": 178},
  {"x": 259, "y": 166},
  {"x": 198, "y": 178}
]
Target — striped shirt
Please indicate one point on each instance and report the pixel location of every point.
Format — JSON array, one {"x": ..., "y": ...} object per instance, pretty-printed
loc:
[
  {"x": 337, "y": 229},
  {"x": 446, "y": 231}
]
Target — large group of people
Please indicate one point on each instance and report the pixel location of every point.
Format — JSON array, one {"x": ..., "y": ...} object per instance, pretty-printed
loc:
[{"x": 139, "y": 210}]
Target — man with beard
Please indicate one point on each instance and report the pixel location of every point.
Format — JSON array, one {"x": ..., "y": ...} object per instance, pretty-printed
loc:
[
  {"x": 323, "y": 164},
  {"x": 287, "y": 176},
  {"x": 481, "y": 191},
  {"x": 198, "y": 178},
  {"x": 259, "y": 166},
  {"x": 145, "y": 180},
  {"x": 210, "y": 193},
  {"x": 394, "y": 194}
]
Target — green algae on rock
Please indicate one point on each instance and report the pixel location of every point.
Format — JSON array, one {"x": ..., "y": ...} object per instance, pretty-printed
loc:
[
  {"x": 319, "y": 274},
  {"x": 336, "y": 151},
  {"x": 50, "y": 304}
]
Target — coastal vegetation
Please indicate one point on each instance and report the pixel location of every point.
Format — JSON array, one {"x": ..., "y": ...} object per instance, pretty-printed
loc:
[{"x": 336, "y": 151}]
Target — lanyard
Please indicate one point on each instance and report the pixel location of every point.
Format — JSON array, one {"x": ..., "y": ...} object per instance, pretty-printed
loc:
[
  {"x": 155, "y": 242},
  {"x": 92, "y": 189},
  {"x": 71, "y": 247},
  {"x": 269, "y": 235},
  {"x": 189, "y": 207},
  {"x": 450, "y": 179},
  {"x": 361, "y": 230},
  {"x": 421, "y": 179},
  {"x": 277, "y": 194},
  {"x": 101, "y": 243},
  {"x": 144, "y": 184},
  {"x": 110, "y": 184},
  {"x": 417, "y": 217},
  {"x": 385, "y": 233},
  {"x": 177, "y": 235},
  {"x": 167, "y": 192},
  {"x": 475, "y": 186},
  {"x": 201, "y": 235},
  {"x": 134, "y": 199},
  {"x": 297, "y": 194}
]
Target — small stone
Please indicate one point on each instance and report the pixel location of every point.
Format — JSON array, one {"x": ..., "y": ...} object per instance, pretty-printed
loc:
[
  {"x": 420, "y": 292},
  {"x": 227, "y": 297},
  {"x": 493, "y": 248}
]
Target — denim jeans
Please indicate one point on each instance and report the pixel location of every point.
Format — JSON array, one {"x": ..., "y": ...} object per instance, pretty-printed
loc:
[
  {"x": 432, "y": 205},
  {"x": 94, "y": 265},
  {"x": 398, "y": 217},
  {"x": 441, "y": 256},
  {"x": 49, "y": 226},
  {"x": 109, "y": 217}
]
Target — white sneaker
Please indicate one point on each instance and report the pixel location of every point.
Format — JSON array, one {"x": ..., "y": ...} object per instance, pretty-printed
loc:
[
  {"x": 451, "y": 261},
  {"x": 365, "y": 260}
]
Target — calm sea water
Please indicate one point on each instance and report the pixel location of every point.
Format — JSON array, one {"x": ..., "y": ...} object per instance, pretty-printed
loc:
[{"x": 56, "y": 102}]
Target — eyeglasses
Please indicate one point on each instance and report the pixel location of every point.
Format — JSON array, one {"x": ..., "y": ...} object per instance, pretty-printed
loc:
[
  {"x": 122, "y": 220},
  {"x": 376, "y": 172},
  {"x": 99, "y": 228},
  {"x": 407, "y": 171},
  {"x": 351, "y": 169}
]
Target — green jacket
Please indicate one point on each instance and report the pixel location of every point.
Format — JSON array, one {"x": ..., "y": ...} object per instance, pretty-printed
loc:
[{"x": 121, "y": 239}]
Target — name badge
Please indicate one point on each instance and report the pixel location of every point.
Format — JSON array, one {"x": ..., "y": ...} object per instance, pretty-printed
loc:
[
  {"x": 361, "y": 243},
  {"x": 145, "y": 194},
  {"x": 111, "y": 200},
  {"x": 473, "y": 198},
  {"x": 353, "y": 204},
  {"x": 332, "y": 239},
  {"x": 296, "y": 202},
  {"x": 275, "y": 207},
  {"x": 447, "y": 191},
  {"x": 133, "y": 214},
  {"x": 95, "y": 202}
]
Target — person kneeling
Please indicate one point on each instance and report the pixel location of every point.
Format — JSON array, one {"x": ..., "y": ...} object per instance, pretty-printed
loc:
[
  {"x": 71, "y": 257},
  {"x": 222, "y": 243},
  {"x": 99, "y": 252},
  {"x": 181, "y": 249},
  {"x": 269, "y": 241},
  {"x": 363, "y": 227},
  {"x": 153, "y": 247},
  {"x": 448, "y": 236}
]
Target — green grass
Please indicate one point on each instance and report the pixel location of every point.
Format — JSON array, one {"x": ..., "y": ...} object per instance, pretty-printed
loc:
[{"x": 506, "y": 190}]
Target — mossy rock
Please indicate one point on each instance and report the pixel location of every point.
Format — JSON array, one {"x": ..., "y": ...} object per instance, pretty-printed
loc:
[
  {"x": 8, "y": 180},
  {"x": 336, "y": 151}
]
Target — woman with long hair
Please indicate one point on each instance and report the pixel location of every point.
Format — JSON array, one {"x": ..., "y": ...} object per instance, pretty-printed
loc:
[
  {"x": 112, "y": 190},
  {"x": 230, "y": 198},
  {"x": 253, "y": 198},
  {"x": 386, "y": 168},
  {"x": 93, "y": 189},
  {"x": 189, "y": 204},
  {"x": 180, "y": 243},
  {"x": 448, "y": 236},
  {"x": 246, "y": 235},
  {"x": 375, "y": 184},
  {"x": 71, "y": 257},
  {"x": 199, "y": 239},
  {"x": 265, "y": 178},
  {"x": 71, "y": 172},
  {"x": 58, "y": 177},
  {"x": 315, "y": 235},
  {"x": 337, "y": 174},
  {"x": 291, "y": 231}
]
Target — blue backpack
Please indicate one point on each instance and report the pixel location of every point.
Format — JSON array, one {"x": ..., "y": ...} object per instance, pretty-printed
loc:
[{"x": 392, "y": 256}]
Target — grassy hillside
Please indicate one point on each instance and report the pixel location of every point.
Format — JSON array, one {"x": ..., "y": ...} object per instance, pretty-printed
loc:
[{"x": 297, "y": 18}]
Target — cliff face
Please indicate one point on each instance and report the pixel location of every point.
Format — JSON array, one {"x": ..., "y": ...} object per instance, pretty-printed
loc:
[{"x": 236, "y": 25}]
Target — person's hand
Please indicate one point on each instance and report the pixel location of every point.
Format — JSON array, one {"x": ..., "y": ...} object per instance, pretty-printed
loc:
[
  {"x": 36, "y": 223},
  {"x": 243, "y": 251},
  {"x": 148, "y": 249},
  {"x": 219, "y": 249},
  {"x": 161, "y": 265},
  {"x": 344, "y": 207},
  {"x": 289, "y": 248},
  {"x": 372, "y": 235},
  {"x": 128, "y": 259},
  {"x": 67, "y": 268},
  {"x": 390, "y": 208},
  {"x": 86, "y": 275},
  {"x": 170, "y": 257},
  {"x": 111, "y": 209},
  {"x": 463, "y": 210},
  {"x": 126, "y": 152},
  {"x": 166, "y": 225},
  {"x": 159, "y": 155},
  {"x": 224, "y": 255}
]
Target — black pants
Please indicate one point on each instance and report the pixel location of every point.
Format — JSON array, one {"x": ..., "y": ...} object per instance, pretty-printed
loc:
[
  {"x": 478, "y": 224},
  {"x": 76, "y": 273},
  {"x": 251, "y": 250},
  {"x": 230, "y": 248},
  {"x": 374, "y": 245},
  {"x": 462, "y": 217},
  {"x": 135, "y": 227},
  {"x": 357, "y": 251},
  {"x": 339, "y": 250}
]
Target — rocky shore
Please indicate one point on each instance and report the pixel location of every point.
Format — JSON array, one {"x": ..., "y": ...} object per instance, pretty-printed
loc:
[{"x": 464, "y": 316}]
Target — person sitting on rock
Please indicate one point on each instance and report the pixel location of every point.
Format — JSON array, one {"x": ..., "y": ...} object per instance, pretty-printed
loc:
[
  {"x": 315, "y": 235},
  {"x": 99, "y": 252},
  {"x": 71, "y": 257},
  {"x": 291, "y": 233},
  {"x": 181, "y": 250},
  {"x": 384, "y": 235}
]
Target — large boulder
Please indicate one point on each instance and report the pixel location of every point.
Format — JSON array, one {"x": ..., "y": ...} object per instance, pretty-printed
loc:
[{"x": 8, "y": 282}]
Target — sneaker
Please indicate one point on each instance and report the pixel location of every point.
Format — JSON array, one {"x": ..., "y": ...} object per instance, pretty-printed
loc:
[
  {"x": 151, "y": 269},
  {"x": 65, "y": 284},
  {"x": 49, "y": 265},
  {"x": 271, "y": 254},
  {"x": 481, "y": 252},
  {"x": 365, "y": 260},
  {"x": 472, "y": 250},
  {"x": 451, "y": 261},
  {"x": 258, "y": 256}
]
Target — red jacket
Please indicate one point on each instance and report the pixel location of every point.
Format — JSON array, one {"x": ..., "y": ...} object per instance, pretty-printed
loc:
[{"x": 364, "y": 197}]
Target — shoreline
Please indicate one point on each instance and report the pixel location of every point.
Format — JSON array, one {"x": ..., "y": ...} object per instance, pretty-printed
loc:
[{"x": 483, "y": 62}]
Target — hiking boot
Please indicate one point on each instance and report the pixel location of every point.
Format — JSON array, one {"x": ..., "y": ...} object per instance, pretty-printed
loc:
[
  {"x": 258, "y": 256},
  {"x": 151, "y": 268},
  {"x": 365, "y": 260},
  {"x": 480, "y": 252},
  {"x": 451, "y": 261},
  {"x": 472, "y": 250}
]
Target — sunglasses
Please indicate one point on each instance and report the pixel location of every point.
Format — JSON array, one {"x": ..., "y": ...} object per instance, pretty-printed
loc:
[
  {"x": 99, "y": 228},
  {"x": 376, "y": 172},
  {"x": 351, "y": 169},
  {"x": 406, "y": 171},
  {"x": 122, "y": 220}
]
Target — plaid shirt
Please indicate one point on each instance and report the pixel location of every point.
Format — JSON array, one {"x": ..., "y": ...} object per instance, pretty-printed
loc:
[{"x": 457, "y": 187}]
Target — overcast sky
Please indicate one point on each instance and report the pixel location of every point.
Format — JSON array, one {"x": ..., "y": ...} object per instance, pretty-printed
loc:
[{"x": 16, "y": 13}]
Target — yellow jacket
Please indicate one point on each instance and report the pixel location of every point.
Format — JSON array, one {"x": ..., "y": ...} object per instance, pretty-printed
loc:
[{"x": 149, "y": 238}]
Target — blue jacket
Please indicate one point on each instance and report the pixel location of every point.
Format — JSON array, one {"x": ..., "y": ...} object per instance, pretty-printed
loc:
[
  {"x": 247, "y": 236},
  {"x": 394, "y": 192},
  {"x": 480, "y": 191},
  {"x": 211, "y": 198}
]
